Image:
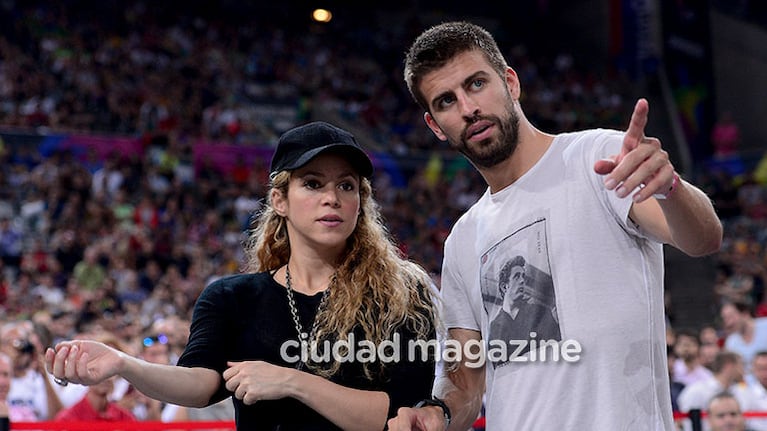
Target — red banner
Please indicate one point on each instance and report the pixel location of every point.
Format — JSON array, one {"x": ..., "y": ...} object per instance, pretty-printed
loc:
[{"x": 136, "y": 425}]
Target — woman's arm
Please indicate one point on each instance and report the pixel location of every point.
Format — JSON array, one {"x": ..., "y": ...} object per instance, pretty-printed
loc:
[
  {"x": 349, "y": 409},
  {"x": 90, "y": 362}
]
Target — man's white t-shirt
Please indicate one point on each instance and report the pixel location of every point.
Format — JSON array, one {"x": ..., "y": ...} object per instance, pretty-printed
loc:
[{"x": 594, "y": 282}]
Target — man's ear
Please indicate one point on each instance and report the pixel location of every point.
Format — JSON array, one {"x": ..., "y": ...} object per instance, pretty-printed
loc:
[
  {"x": 434, "y": 126},
  {"x": 512, "y": 82},
  {"x": 279, "y": 202}
]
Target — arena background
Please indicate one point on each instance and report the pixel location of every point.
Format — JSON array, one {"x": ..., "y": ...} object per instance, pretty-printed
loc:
[{"x": 187, "y": 100}]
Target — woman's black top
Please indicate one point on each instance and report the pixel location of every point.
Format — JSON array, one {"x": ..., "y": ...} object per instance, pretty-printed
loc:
[{"x": 246, "y": 317}]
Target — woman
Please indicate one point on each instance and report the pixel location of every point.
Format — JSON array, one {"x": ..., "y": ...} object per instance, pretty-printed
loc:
[{"x": 321, "y": 271}]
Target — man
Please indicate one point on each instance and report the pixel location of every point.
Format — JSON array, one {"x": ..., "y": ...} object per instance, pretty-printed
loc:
[
  {"x": 727, "y": 376},
  {"x": 31, "y": 394},
  {"x": 687, "y": 367},
  {"x": 709, "y": 346},
  {"x": 724, "y": 414},
  {"x": 592, "y": 209},
  {"x": 745, "y": 333},
  {"x": 95, "y": 406},
  {"x": 758, "y": 385},
  {"x": 759, "y": 369}
]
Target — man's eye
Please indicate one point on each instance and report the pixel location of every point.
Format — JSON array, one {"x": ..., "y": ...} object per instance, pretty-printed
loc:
[{"x": 445, "y": 101}]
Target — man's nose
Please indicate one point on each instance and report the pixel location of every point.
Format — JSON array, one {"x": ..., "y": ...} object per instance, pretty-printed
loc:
[{"x": 468, "y": 106}]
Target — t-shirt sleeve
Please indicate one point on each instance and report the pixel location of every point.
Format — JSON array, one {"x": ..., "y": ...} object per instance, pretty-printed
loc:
[
  {"x": 608, "y": 143},
  {"x": 209, "y": 334},
  {"x": 456, "y": 309}
]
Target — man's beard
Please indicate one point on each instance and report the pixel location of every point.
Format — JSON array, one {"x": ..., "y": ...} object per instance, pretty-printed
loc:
[{"x": 490, "y": 152}]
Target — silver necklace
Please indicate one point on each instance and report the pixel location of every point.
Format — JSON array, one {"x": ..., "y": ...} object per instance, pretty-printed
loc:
[{"x": 303, "y": 336}]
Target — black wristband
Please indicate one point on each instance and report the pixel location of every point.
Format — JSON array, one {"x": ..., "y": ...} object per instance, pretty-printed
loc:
[{"x": 434, "y": 401}]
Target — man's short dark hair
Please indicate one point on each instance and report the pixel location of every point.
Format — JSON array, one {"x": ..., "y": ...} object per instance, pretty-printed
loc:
[
  {"x": 723, "y": 358},
  {"x": 743, "y": 306},
  {"x": 690, "y": 333},
  {"x": 440, "y": 44}
]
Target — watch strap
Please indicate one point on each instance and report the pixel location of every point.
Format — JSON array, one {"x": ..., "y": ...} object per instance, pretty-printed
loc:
[{"x": 434, "y": 401}]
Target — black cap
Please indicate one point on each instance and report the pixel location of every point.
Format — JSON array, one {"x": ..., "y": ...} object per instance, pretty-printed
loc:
[{"x": 301, "y": 144}]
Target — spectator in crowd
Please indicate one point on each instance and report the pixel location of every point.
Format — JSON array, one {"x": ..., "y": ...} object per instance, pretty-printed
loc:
[
  {"x": 676, "y": 386},
  {"x": 8, "y": 412},
  {"x": 724, "y": 414},
  {"x": 709, "y": 335},
  {"x": 759, "y": 373},
  {"x": 11, "y": 243},
  {"x": 727, "y": 376},
  {"x": 89, "y": 273},
  {"x": 758, "y": 384},
  {"x": 320, "y": 267},
  {"x": 746, "y": 334},
  {"x": 708, "y": 352},
  {"x": 47, "y": 290},
  {"x": 177, "y": 331},
  {"x": 61, "y": 324},
  {"x": 31, "y": 392},
  {"x": 156, "y": 350},
  {"x": 628, "y": 195},
  {"x": 688, "y": 368},
  {"x": 743, "y": 279},
  {"x": 96, "y": 406}
]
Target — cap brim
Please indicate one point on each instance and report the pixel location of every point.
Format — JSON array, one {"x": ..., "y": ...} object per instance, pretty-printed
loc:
[{"x": 358, "y": 159}]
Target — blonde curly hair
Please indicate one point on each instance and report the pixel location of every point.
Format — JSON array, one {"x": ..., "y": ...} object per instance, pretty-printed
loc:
[{"x": 375, "y": 287}]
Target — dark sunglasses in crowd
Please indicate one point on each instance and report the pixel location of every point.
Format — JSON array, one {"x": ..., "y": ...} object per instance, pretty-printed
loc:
[
  {"x": 155, "y": 339},
  {"x": 24, "y": 346}
]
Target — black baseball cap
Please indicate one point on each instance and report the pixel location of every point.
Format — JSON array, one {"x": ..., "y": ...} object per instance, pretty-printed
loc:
[{"x": 301, "y": 144}]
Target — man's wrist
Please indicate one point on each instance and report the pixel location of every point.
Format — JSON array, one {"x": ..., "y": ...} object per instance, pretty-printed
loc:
[
  {"x": 436, "y": 402},
  {"x": 674, "y": 184}
]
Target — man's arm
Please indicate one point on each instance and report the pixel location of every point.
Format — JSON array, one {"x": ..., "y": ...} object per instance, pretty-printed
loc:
[
  {"x": 686, "y": 218},
  {"x": 460, "y": 388}
]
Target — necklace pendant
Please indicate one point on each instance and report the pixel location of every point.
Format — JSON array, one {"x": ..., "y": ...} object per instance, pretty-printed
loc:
[{"x": 304, "y": 336}]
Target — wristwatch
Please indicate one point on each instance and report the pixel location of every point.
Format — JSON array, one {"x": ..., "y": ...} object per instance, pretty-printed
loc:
[{"x": 434, "y": 401}]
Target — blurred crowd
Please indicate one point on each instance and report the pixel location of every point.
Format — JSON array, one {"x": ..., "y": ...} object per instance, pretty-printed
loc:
[
  {"x": 122, "y": 245},
  {"x": 144, "y": 69}
]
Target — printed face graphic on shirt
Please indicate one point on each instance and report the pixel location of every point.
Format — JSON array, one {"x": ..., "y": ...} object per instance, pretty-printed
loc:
[{"x": 518, "y": 291}]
